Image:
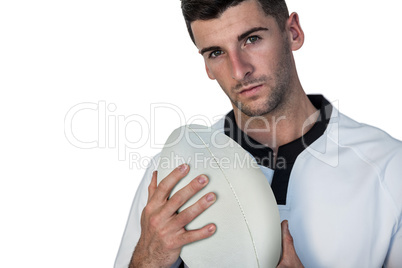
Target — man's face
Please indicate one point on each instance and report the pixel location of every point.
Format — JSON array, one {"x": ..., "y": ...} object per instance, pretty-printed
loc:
[{"x": 249, "y": 56}]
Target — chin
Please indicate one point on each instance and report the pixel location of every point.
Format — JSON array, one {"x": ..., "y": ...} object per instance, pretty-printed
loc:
[{"x": 253, "y": 109}]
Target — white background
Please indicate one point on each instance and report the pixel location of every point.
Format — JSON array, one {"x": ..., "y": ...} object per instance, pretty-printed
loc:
[{"x": 63, "y": 206}]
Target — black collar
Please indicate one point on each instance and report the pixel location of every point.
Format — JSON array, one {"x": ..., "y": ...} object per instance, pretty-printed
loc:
[{"x": 287, "y": 153}]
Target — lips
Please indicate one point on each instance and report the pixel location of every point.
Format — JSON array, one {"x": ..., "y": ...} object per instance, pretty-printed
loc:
[{"x": 250, "y": 90}]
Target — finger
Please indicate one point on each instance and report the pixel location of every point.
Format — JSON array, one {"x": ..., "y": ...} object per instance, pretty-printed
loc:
[
  {"x": 153, "y": 185},
  {"x": 190, "y": 213},
  {"x": 185, "y": 193},
  {"x": 195, "y": 235},
  {"x": 167, "y": 184}
]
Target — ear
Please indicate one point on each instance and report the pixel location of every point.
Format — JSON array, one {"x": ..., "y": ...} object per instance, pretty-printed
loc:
[
  {"x": 295, "y": 32},
  {"x": 210, "y": 75}
]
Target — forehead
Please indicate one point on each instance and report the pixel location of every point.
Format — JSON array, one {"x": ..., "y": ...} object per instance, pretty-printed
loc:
[{"x": 232, "y": 23}]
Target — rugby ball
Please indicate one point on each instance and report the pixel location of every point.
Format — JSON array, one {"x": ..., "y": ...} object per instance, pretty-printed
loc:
[{"x": 245, "y": 213}]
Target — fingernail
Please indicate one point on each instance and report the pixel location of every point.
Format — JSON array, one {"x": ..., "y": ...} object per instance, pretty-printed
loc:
[
  {"x": 202, "y": 179},
  {"x": 211, "y": 229},
  {"x": 183, "y": 167},
  {"x": 210, "y": 197}
]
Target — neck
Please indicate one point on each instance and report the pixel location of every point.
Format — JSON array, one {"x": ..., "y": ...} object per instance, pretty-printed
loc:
[{"x": 288, "y": 122}]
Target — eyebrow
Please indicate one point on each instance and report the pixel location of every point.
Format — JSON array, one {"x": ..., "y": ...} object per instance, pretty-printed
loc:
[
  {"x": 239, "y": 38},
  {"x": 209, "y": 49},
  {"x": 252, "y": 30}
]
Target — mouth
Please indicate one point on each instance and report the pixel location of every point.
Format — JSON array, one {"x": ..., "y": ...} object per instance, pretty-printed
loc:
[{"x": 250, "y": 90}]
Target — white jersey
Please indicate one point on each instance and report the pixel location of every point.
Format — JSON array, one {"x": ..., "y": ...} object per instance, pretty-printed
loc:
[{"x": 341, "y": 193}]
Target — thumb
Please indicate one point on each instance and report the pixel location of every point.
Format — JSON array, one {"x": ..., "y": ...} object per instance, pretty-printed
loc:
[
  {"x": 287, "y": 239},
  {"x": 289, "y": 256}
]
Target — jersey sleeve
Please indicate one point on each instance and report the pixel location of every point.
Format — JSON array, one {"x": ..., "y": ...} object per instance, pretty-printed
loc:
[
  {"x": 393, "y": 179},
  {"x": 132, "y": 231},
  {"x": 394, "y": 258}
]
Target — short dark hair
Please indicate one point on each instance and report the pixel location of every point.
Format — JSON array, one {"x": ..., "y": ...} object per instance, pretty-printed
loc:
[{"x": 211, "y": 9}]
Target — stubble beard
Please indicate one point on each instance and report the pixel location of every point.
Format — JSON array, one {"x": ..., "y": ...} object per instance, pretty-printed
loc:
[{"x": 278, "y": 93}]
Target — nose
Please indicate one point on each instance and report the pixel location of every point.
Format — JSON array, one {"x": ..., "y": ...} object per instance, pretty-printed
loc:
[{"x": 241, "y": 66}]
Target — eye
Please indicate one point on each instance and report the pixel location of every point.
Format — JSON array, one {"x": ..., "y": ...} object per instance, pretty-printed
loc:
[
  {"x": 215, "y": 54},
  {"x": 252, "y": 39}
]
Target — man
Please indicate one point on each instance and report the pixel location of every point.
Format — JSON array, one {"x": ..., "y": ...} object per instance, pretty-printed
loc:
[{"x": 337, "y": 182}]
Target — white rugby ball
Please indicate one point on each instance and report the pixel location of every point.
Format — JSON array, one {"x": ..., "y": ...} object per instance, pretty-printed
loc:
[{"x": 245, "y": 213}]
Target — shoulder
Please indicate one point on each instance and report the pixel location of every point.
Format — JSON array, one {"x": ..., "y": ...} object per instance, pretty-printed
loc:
[
  {"x": 132, "y": 231},
  {"x": 219, "y": 125},
  {"x": 379, "y": 150},
  {"x": 370, "y": 141},
  {"x": 141, "y": 195},
  {"x": 152, "y": 166}
]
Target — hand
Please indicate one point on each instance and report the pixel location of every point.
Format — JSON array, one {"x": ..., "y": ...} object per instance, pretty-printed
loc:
[
  {"x": 289, "y": 257},
  {"x": 162, "y": 228}
]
